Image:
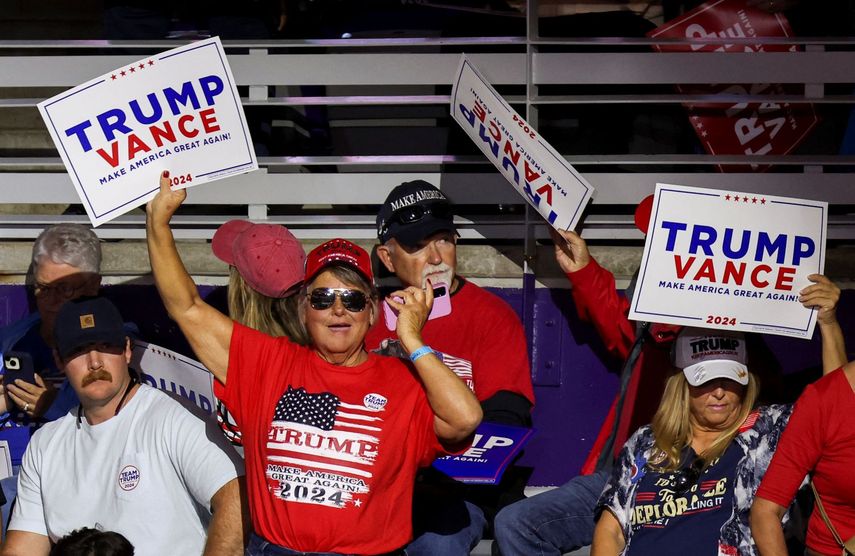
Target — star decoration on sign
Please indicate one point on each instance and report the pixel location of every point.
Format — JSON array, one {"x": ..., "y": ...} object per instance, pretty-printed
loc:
[
  {"x": 132, "y": 69},
  {"x": 164, "y": 354},
  {"x": 745, "y": 200}
]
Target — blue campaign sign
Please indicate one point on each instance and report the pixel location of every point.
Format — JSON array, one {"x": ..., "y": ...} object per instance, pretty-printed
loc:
[{"x": 493, "y": 448}]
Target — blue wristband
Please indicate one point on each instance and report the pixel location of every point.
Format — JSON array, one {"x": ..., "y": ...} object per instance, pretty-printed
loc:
[{"x": 422, "y": 351}]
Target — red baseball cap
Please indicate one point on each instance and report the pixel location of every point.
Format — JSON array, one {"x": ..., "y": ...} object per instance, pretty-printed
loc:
[
  {"x": 268, "y": 256},
  {"x": 338, "y": 251},
  {"x": 642, "y": 214}
]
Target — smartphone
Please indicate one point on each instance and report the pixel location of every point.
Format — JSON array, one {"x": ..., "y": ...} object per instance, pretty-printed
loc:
[
  {"x": 441, "y": 306},
  {"x": 18, "y": 365}
]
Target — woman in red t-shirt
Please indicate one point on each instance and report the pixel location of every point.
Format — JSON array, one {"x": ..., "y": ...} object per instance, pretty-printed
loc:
[
  {"x": 820, "y": 441},
  {"x": 333, "y": 435}
]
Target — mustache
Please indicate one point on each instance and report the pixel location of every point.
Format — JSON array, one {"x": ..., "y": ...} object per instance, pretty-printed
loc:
[
  {"x": 100, "y": 374},
  {"x": 430, "y": 269}
]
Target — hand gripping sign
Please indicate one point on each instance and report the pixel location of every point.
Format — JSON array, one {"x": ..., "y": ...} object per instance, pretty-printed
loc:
[
  {"x": 730, "y": 260},
  {"x": 179, "y": 109},
  {"x": 541, "y": 175}
]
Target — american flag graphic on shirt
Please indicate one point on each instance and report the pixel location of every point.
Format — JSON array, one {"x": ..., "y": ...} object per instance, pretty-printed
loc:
[
  {"x": 320, "y": 450},
  {"x": 298, "y": 406},
  {"x": 392, "y": 347},
  {"x": 460, "y": 367}
]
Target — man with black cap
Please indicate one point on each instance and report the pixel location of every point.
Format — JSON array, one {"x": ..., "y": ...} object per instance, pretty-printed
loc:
[
  {"x": 129, "y": 458},
  {"x": 482, "y": 340}
]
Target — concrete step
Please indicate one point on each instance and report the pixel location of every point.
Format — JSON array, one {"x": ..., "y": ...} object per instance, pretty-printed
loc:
[{"x": 484, "y": 548}]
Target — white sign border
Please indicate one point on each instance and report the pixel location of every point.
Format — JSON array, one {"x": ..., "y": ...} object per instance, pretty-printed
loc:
[
  {"x": 104, "y": 217},
  {"x": 589, "y": 190},
  {"x": 806, "y": 332}
]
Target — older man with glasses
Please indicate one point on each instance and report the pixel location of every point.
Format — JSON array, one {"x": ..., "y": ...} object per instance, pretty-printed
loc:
[
  {"x": 333, "y": 435},
  {"x": 66, "y": 264}
]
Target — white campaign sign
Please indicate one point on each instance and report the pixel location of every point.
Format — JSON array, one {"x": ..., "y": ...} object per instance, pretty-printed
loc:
[
  {"x": 5, "y": 460},
  {"x": 730, "y": 260},
  {"x": 178, "y": 110},
  {"x": 166, "y": 370},
  {"x": 541, "y": 175}
]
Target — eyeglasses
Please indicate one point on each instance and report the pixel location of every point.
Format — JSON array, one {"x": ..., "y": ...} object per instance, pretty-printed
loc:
[
  {"x": 686, "y": 477},
  {"x": 324, "y": 298},
  {"x": 415, "y": 213},
  {"x": 62, "y": 290}
]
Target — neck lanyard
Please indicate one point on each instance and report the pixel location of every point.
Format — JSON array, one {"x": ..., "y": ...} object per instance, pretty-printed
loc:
[{"x": 118, "y": 407}]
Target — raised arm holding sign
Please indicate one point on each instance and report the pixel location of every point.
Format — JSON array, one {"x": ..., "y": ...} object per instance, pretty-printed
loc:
[{"x": 117, "y": 132}]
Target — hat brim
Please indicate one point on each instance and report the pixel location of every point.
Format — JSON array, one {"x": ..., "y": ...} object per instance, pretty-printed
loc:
[
  {"x": 94, "y": 336},
  {"x": 224, "y": 239},
  {"x": 701, "y": 373},
  {"x": 340, "y": 261},
  {"x": 426, "y": 227}
]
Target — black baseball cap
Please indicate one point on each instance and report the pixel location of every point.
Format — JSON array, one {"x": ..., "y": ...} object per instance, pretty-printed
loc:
[
  {"x": 413, "y": 211},
  {"x": 85, "y": 321}
]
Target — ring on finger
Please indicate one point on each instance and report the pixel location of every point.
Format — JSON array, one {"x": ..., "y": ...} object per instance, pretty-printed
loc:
[{"x": 26, "y": 407}]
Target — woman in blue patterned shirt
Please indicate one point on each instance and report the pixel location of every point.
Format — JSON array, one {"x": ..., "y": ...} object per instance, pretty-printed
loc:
[{"x": 685, "y": 483}]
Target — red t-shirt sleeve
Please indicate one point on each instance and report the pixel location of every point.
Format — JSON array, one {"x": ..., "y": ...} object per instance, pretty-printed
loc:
[
  {"x": 219, "y": 389},
  {"x": 798, "y": 450},
  {"x": 598, "y": 302},
  {"x": 502, "y": 363},
  {"x": 251, "y": 355}
]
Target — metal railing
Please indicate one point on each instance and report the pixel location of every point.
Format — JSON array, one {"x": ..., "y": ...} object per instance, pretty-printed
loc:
[{"x": 392, "y": 89}]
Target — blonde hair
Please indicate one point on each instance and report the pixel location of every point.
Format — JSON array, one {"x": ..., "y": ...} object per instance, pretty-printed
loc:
[
  {"x": 672, "y": 427},
  {"x": 271, "y": 315}
]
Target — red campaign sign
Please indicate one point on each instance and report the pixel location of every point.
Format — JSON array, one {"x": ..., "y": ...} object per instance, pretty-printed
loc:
[{"x": 743, "y": 128}]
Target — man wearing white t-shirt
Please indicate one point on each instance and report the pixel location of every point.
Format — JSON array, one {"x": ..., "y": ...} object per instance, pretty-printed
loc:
[{"x": 129, "y": 459}]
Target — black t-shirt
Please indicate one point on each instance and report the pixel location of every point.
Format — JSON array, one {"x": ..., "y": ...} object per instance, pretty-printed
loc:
[{"x": 665, "y": 522}]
